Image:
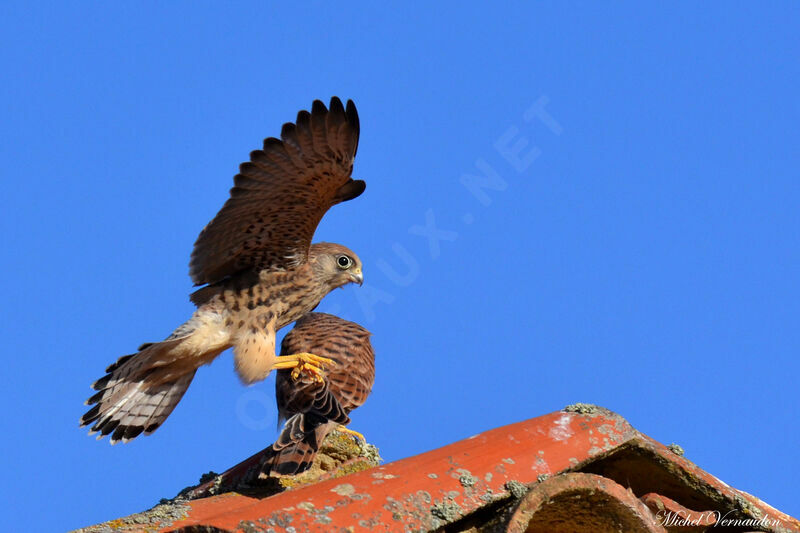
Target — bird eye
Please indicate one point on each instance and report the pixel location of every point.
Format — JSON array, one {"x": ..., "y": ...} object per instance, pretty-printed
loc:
[{"x": 344, "y": 262}]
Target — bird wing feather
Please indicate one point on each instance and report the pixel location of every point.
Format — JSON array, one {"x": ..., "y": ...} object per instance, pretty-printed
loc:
[{"x": 281, "y": 194}]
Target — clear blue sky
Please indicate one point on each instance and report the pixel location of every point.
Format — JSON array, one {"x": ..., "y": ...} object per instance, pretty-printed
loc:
[{"x": 639, "y": 252}]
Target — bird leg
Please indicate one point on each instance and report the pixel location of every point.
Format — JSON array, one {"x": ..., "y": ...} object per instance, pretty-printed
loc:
[
  {"x": 303, "y": 362},
  {"x": 356, "y": 434}
]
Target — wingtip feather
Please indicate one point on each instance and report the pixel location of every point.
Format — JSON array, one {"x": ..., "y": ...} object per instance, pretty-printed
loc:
[
  {"x": 336, "y": 105},
  {"x": 318, "y": 108}
]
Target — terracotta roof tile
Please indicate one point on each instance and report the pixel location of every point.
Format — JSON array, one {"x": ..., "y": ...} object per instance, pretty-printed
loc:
[{"x": 580, "y": 469}]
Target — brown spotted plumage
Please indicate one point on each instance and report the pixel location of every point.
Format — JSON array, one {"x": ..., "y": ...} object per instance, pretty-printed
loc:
[
  {"x": 260, "y": 272},
  {"x": 312, "y": 408},
  {"x": 280, "y": 196}
]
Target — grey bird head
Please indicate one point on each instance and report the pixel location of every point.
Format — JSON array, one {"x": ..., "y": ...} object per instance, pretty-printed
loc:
[{"x": 335, "y": 265}]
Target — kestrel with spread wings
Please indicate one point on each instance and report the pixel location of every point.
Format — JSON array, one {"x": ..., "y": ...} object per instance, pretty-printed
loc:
[
  {"x": 313, "y": 408},
  {"x": 259, "y": 270}
]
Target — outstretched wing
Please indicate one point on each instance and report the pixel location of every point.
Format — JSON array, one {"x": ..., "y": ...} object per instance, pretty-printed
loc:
[{"x": 281, "y": 194}]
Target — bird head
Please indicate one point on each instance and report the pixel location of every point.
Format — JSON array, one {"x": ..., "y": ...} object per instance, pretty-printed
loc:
[{"x": 335, "y": 265}]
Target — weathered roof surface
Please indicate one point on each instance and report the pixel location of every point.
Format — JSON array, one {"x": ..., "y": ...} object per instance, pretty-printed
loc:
[{"x": 580, "y": 469}]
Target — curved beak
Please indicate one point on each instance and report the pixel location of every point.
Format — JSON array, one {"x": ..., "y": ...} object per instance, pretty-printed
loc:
[{"x": 357, "y": 276}]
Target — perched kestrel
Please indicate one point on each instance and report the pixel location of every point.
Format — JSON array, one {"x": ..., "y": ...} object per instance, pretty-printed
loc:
[
  {"x": 260, "y": 272},
  {"x": 313, "y": 408}
]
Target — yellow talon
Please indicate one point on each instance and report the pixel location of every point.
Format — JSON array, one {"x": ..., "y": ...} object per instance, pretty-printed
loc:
[
  {"x": 356, "y": 434},
  {"x": 314, "y": 371},
  {"x": 303, "y": 363}
]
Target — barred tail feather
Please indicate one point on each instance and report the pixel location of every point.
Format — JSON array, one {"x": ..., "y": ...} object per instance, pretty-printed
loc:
[
  {"x": 138, "y": 393},
  {"x": 298, "y": 444},
  {"x": 140, "y": 390}
]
